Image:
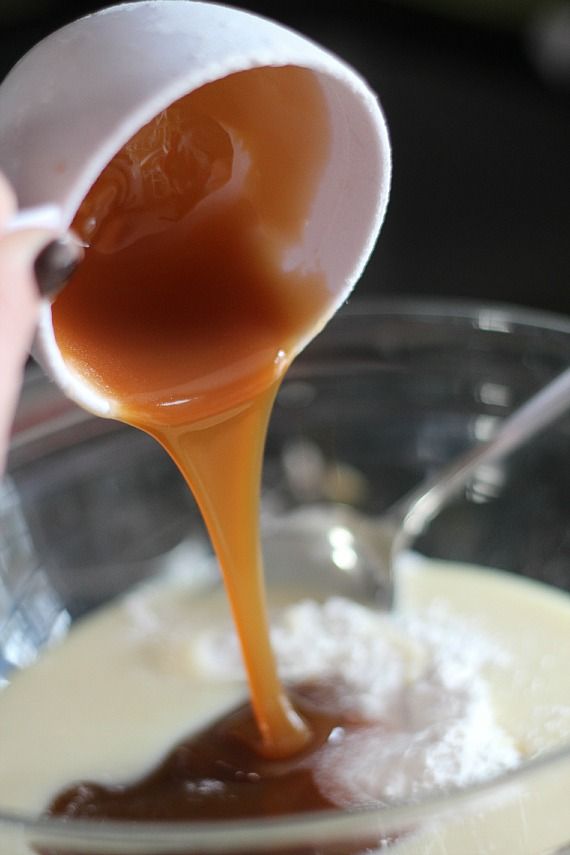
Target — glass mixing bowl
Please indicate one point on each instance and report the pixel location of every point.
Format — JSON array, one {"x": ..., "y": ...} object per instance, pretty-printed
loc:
[{"x": 383, "y": 398}]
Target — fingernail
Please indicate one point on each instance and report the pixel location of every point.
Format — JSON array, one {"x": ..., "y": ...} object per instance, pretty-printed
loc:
[{"x": 56, "y": 264}]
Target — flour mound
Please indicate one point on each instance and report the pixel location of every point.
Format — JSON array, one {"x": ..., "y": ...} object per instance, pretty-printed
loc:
[{"x": 416, "y": 682}]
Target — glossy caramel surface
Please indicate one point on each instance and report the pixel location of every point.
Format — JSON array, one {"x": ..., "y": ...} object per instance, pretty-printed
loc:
[{"x": 191, "y": 302}]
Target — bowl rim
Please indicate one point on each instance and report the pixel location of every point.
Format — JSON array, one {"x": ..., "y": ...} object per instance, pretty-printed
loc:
[
  {"x": 336, "y": 824},
  {"x": 247, "y": 835},
  {"x": 54, "y": 413},
  {"x": 487, "y": 314}
]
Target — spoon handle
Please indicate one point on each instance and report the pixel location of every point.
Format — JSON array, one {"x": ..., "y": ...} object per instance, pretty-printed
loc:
[{"x": 418, "y": 507}]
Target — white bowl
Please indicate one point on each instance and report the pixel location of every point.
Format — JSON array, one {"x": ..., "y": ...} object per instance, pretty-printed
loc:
[{"x": 78, "y": 96}]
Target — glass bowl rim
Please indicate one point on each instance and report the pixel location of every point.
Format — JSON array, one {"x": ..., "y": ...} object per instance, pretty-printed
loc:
[
  {"x": 319, "y": 827},
  {"x": 256, "y": 835},
  {"x": 461, "y": 308},
  {"x": 484, "y": 315}
]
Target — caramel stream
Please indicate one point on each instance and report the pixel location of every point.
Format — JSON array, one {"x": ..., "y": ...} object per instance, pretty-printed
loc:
[{"x": 186, "y": 314}]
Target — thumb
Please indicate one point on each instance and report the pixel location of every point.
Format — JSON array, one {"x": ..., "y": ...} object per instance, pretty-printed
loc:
[{"x": 29, "y": 265}]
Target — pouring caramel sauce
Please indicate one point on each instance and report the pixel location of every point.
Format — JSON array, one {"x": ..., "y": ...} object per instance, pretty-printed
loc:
[
  {"x": 186, "y": 312},
  {"x": 214, "y": 774}
]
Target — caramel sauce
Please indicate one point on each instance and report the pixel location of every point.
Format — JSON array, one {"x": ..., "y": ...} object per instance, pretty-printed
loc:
[
  {"x": 214, "y": 775},
  {"x": 219, "y": 774},
  {"x": 189, "y": 307}
]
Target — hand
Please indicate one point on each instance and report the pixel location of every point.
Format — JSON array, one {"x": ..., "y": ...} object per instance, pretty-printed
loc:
[{"x": 25, "y": 257}]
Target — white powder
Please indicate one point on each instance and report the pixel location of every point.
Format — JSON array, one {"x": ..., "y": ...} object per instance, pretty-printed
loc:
[{"x": 418, "y": 680}]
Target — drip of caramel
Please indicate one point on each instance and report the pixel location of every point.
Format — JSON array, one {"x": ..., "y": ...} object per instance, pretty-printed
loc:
[
  {"x": 192, "y": 301},
  {"x": 218, "y": 774},
  {"x": 215, "y": 774}
]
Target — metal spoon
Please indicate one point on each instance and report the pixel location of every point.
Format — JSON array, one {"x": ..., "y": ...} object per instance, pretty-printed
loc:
[{"x": 371, "y": 544}]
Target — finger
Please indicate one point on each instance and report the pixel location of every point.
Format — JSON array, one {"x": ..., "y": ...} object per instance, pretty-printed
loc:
[
  {"x": 8, "y": 203},
  {"x": 56, "y": 263},
  {"x": 19, "y": 301}
]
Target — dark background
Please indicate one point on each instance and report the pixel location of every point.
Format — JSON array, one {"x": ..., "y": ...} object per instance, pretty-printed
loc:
[{"x": 477, "y": 97}]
